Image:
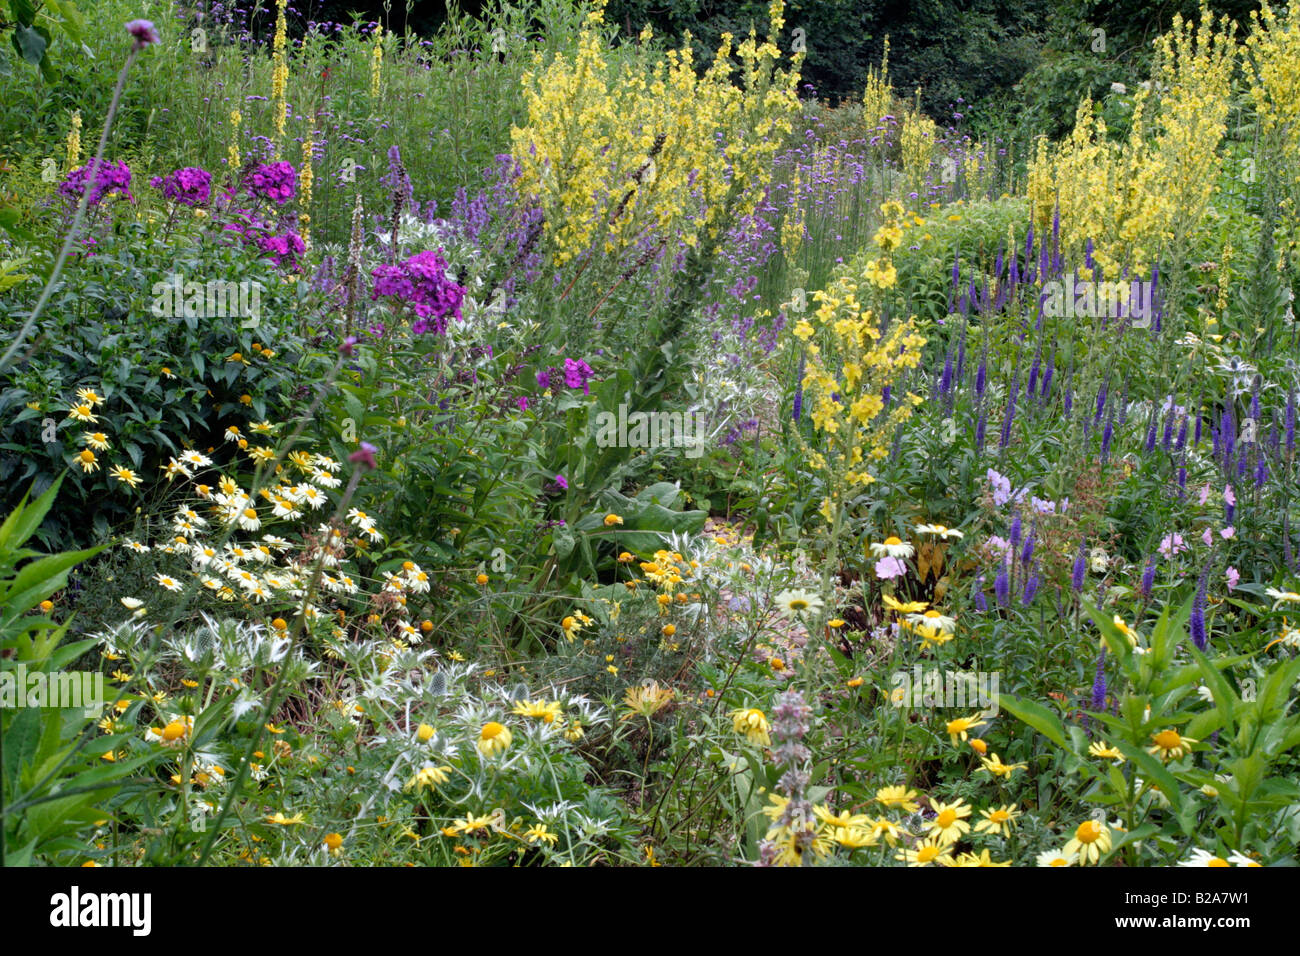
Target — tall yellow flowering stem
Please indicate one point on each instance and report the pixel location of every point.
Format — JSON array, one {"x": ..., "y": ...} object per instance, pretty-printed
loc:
[
  {"x": 850, "y": 363},
  {"x": 1141, "y": 199},
  {"x": 305, "y": 179},
  {"x": 233, "y": 160},
  {"x": 279, "y": 73},
  {"x": 74, "y": 142},
  {"x": 1273, "y": 70},
  {"x": 377, "y": 64},
  {"x": 615, "y": 155}
]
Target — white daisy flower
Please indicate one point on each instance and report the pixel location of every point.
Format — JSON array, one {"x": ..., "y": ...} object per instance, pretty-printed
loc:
[
  {"x": 1201, "y": 857},
  {"x": 933, "y": 619},
  {"x": 940, "y": 530},
  {"x": 283, "y": 508},
  {"x": 311, "y": 495},
  {"x": 1057, "y": 858},
  {"x": 892, "y": 547},
  {"x": 796, "y": 602},
  {"x": 323, "y": 478}
]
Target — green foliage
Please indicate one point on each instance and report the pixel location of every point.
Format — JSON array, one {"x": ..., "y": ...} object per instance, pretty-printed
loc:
[{"x": 168, "y": 383}]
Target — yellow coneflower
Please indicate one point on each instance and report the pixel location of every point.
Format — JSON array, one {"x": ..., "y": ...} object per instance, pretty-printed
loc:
[
  {"x": 494, "y": 738},
  {"x": 125, "y": 475},
  {"x": 927, "y": 852},
  {"x": 960, "y": 727},
  {"x": 646, "y": 700},
  {"x": 1170, "y": 745},
  {"x": 900, "y": 607},
  {"x": 901, "y": 797},
  {"x": 281, "y": 820},
  {"x": 538, "y": 710},
  {"x": 997, "y": 820},
  {"x": 538, "y": 833},
  {"x": 949, "y": 823},
  {"x": 752, "y": 722},
  {"x": 1091, "y": 841},
  {"x": 1102, "y": 749},
  {"x": 428, "y": 777}
]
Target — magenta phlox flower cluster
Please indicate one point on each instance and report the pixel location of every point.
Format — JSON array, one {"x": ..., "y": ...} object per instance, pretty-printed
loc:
[
  {"x": 189, "y": 186},
  {"x": 273, "y": 181},
  {"x": 422, "y": 283},
  {"x": 112, "y": 177}
]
